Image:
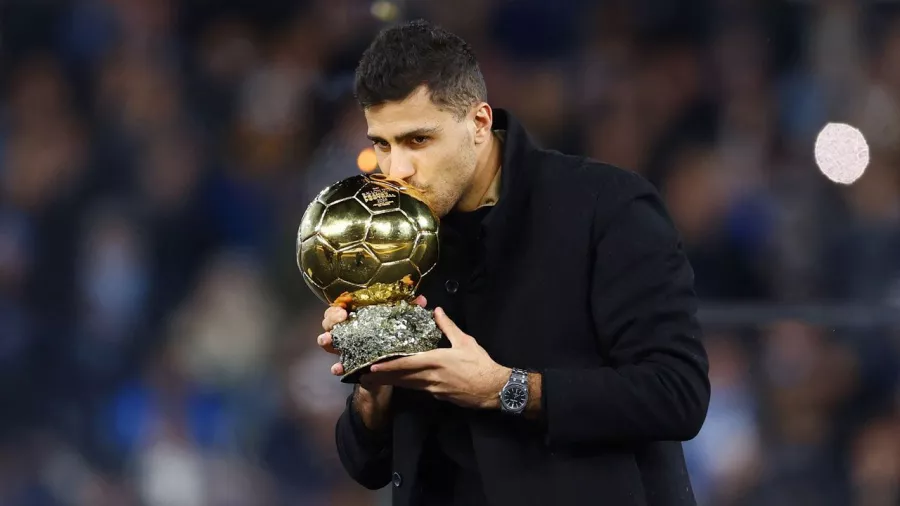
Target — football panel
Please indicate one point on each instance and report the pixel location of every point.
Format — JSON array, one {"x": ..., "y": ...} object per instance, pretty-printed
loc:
[
  {"x": 310, "y": 220},
  {"x": 426, "y": 252},
  {"x": 391, "y": 236},
  {"x": 356, "y": 264},
  {"x": 344, "y": 223},
  {"x": 317, "y": 261},
  {"x": 395, "y": 271},
  {"x": 420, "y": 214},
  {"x": 334, "y": 290},
  {"x": 378, "y": 198},
  {"x": 317, "y": 290},
  {"x": 341, "y": 190}
]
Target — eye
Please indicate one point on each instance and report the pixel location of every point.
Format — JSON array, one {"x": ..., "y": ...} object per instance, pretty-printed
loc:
[
  {"x": 382, "y": 145},
  {"x": 419, "y": 140}
]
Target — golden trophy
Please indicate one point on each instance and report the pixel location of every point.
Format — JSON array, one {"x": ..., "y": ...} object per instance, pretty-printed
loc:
[{"x": 365, "y": 243}]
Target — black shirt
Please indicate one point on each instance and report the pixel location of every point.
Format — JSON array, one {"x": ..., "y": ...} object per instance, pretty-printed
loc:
[{"x": 448, "y": 469}]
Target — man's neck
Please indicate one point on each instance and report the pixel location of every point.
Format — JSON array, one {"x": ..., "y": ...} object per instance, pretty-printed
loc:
[{"x": 486, "y": 168}]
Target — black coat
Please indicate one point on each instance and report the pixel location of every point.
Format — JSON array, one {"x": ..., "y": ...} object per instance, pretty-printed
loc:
[{"x": 583, "y": 278}]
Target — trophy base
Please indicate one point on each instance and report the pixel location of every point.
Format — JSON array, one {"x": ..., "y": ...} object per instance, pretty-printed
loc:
[{"x": 382, "y": 332}]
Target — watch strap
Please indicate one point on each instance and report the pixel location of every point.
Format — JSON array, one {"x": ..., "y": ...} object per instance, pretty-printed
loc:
[{"x": 519, "y": 376}]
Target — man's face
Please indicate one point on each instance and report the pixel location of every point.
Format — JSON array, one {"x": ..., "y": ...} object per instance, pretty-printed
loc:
[{"x": 425, "y": 146}]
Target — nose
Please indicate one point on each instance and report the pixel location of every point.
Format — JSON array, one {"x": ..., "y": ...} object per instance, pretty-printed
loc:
[{"x": 401, "y": 167}]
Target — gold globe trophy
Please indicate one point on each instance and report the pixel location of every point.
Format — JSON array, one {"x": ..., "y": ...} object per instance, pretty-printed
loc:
[{"x": 365, "y": 243}]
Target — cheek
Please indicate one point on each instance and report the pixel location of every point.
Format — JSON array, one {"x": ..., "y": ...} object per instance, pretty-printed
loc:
[
  {"x": 426, "y": 163},
  {"x": 439, "y": 165},
  {"x": 447, "y": 160}
]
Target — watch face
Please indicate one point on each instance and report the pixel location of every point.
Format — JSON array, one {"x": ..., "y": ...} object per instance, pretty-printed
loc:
[{"x": 514, "y": 397}]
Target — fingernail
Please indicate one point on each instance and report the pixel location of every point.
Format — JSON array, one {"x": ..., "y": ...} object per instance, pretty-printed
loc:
[
  {"x": 439, "y": 310},
  {"x": 321, "y": 339},
  {"x": 373, "y": 368}
]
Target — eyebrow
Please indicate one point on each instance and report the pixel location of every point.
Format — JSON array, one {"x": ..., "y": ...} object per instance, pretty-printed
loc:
[{"x": 418, "y": 132}]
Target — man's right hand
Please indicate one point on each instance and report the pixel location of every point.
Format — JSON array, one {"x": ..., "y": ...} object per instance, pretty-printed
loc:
[{"x": 372, "y": 401}]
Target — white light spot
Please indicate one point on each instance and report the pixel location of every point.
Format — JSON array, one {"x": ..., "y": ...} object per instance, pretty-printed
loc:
[{"x": 842, "y": 153}]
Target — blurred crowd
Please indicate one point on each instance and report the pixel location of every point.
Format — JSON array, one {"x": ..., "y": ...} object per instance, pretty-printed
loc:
[{"x": 157, "y": 342}]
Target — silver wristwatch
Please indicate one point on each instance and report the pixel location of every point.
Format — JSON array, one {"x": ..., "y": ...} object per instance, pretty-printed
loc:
[{"x": 514, "y": 394}]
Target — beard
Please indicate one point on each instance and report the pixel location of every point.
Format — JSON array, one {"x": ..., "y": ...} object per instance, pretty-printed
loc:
[
  {"x": 444, "y": 195},
  {"x": 441, "y": 197}
]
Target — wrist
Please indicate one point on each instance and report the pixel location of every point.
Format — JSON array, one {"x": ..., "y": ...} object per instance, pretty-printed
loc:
[
  {"x": 496, "y": 380},
  {"x": 373, "y": 405},
  {"x": 533, "y": 407}
]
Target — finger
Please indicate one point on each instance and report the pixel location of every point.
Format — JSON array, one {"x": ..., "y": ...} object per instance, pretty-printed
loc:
[
  {"x": 402, "y": 364},
  {"x": 333, "y": 312},
  {"x": 456, "y": 336},
  {"x": 326, "y": 342},
  {"x": 337, "y": 370},
  {"x": 421, "y": 301},
  {"x": 333, "y": 315}
]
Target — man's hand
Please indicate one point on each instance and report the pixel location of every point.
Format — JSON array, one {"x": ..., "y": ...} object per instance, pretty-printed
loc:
[
  {"x": 335, "y": 315},
  {"x": 464, "y": 374},
  {"x": 371, "y": 401}
]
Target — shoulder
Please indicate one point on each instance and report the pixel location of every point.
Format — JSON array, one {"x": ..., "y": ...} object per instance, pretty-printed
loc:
[
  {"x": 600, "y": 194},
  {"x": 585, "y": 181}
]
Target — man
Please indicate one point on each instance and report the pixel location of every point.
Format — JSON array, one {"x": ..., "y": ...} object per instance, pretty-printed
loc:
[{"x": 561, "y": 283}]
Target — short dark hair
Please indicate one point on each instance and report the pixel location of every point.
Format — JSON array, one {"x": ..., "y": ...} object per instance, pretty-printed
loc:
[{"x": 406, "y": 56}]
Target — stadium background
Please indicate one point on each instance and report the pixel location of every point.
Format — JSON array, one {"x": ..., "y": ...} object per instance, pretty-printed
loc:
[{"x": 156, "y": 340}]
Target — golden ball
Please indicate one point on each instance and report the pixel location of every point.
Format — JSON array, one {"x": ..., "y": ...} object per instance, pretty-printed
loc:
[{"x": 364, "y": 234}]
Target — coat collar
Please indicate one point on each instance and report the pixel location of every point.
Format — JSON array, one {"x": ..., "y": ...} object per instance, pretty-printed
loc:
[{"x": 518, "y": 151}]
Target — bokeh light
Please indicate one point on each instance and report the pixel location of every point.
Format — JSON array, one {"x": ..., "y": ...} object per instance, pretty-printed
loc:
[
  {"x": 385, "y": 11},
  {"x": 842, "y": 153},
  {"x": 366, "y": 161}
]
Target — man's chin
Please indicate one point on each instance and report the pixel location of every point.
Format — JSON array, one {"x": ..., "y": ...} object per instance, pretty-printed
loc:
[
  {"x": 440, "y": 210},
  {"x": 437, "y": 207}
]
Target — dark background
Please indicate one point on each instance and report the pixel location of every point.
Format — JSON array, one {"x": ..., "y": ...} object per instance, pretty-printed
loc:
[{"x": 156, "y": 339}]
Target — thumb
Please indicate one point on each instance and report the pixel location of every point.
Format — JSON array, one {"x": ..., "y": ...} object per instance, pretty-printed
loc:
[{"x": 456, "y": 336}]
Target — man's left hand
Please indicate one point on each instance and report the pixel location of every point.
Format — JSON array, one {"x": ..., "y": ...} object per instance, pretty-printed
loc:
[{"x": 463, "y": 374}]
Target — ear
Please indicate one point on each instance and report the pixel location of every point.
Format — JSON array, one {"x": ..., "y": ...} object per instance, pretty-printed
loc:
[{"x": 483, "y": 120}]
